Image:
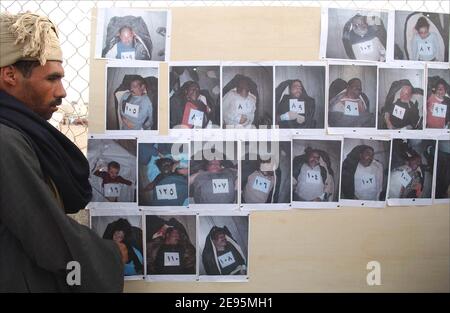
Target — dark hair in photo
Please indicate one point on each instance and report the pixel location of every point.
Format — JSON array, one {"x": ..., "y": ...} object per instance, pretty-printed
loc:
[
  {"x": 125, "y": 27},
  {"x": 113, "y": 164},
  {"x": 355, "y": 79},
  {"x": 295, "y": 81},
  {"x": 216, "y": 231},
  {"x": 442, "y": 82},
  {"x": 422, "y": 22},
  {"x": 139, "y": 79},
  {"x": 359, "y": 16}
]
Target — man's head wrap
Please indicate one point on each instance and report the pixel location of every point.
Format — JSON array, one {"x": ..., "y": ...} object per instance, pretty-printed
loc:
[{"x": 28, "y": 36}]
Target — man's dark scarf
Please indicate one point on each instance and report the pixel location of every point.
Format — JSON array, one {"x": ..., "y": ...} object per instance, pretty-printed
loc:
[{"x": 60, "y": 159}]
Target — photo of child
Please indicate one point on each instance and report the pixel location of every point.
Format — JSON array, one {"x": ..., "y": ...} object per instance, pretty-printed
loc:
[
  {"x": 111, "y": 180},
  {"x": 112, "y": 164}
]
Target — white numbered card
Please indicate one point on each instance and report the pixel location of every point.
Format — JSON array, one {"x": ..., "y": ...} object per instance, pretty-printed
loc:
[
  {"x": 220, "y": 185},
  {"x": 261, "y": 184},
  {"x": 132, "y": 110},
  {"x": 128, "y": 55},
  {"x": 367, "y": 181},
  {"x": 425, "y": 48},
  {"x": 313, "y": 177},
  {"x": 398, "y": 112},
  {"x": 111, "y": 190},
  {"x": 195, "y": 118},
  {"x": 297, "y": 106},
  {"x": 166, "y": 192},
  {"x": 226, "y": 259},
  {"x": 439, "y": 110},
  {"x": 351, "y": 108},
  {"x": 171, "y": 259},
  {"x": 365, "y": 47},
  {"x": 405, "y": 178}
]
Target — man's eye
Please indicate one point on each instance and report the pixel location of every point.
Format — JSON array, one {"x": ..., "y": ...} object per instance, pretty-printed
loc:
[{"x": 54, "y": 78}]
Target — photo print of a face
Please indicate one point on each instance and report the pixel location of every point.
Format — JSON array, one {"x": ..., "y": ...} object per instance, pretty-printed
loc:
[
  {"x": 171, "y": 244},
  {"x": 112, "y": 164},
  {"x": 213, "y": 173},
  {"x": 300, "y": 97},
  {"x": 223, "y": 245},
  {"x": 247, "y": 96},
  {"x": 132, "y": 34},
  {"x": 163, "y": 174},
  {"x": 400, "y": 98},
  {"x": 126, "y": 232},
  {"x": 352, "y": 96},
  {"x": 316, "y": 167},
  {"x": 356, "y": 35},
  {"x": 438, "y": 99},
  {"x": 266, "y": 172},
  {"x": 421, "y": 36},
  {"x": 131, "y": 98},
  {"x": 411, "y": 174},
  {"x": 365, "y": 169},
  {"x": 194, "y": 96},
  {"x": 443, "y": 170}
]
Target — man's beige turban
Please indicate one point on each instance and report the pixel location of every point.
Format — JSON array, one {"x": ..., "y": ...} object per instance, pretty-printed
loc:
[{"x": 28, "y": 36}]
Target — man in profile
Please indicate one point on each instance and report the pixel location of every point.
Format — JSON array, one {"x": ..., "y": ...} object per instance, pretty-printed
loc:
[{"x": 43, "y": 174}]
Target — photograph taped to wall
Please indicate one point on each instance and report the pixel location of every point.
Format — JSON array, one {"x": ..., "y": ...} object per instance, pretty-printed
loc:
[
  {"x": 411, "y": 172},
  {"x": 127, "y": 232},
  {"x": 442, "y": 184},
  {"x": 265, "y": 175},
  {"x": 132, "y": 34},
  {"x": 247, "y": 96},
  {"x": 300, "y": 97},
  {"x": 112, "y": 165},
  {"x": 316, "y": 172},
  {"x": 421, "y": 36},
  {"x": 131, "y": 97},
  {"x": 437, "y": 110},
  {"x": 194, "y": 95},
  {"x": 163, "y": 168},
  {"x": 171, "y": 242},
  {"x": 353, "y": 34},
  {"x": 213, "y": 175},
  {"x": 223, "y": 248},
  {"x": 365, "y": 168},
  {"x": 400, "y": 98},
  {"x": 352, "y": 98}
]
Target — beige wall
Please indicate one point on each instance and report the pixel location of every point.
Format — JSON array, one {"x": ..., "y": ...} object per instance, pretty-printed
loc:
[{"x": 299, "y": 250}]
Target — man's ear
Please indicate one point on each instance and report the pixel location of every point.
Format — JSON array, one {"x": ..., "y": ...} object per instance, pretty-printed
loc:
[{"x": 9, "y": 75}]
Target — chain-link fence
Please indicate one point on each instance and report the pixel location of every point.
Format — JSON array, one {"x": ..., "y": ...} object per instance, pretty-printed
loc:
[{"x": 74, "y": 22}]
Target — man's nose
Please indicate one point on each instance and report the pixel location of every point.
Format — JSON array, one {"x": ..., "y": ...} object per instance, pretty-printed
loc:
[{"x": 60, "y": 91}]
